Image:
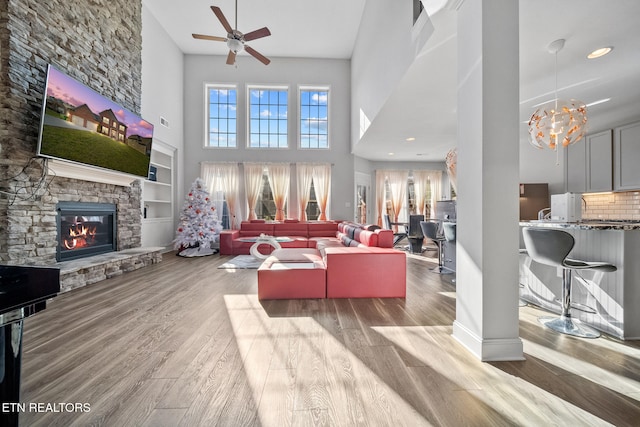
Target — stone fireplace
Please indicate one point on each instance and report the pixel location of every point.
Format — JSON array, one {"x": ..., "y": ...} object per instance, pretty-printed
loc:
[
  {"x": 85, "y": 229},
  {"x": 35, "y": 237},
  {"x": 100, "y": 45}
]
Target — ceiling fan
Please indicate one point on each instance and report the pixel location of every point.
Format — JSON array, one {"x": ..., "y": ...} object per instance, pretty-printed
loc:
[{"x": 235, "y": 39}]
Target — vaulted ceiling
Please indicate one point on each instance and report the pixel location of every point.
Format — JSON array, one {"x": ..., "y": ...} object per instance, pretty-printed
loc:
[{"x": 424, "y": 104}]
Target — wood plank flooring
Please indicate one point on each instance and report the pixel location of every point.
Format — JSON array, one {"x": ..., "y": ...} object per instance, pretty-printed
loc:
[{"x": 183, "y": 343}]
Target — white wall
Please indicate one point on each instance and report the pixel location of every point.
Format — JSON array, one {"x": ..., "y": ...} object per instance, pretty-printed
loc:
[
  {"x": 385, "y": 48},
  {"x": 162, "y": 88},
  {"x": 539, "y": 166},
  {"x": 200, "y": 70}
]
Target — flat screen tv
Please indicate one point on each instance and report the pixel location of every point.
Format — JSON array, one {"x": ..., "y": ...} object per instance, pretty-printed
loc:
[{"x": 80, "y": 125}]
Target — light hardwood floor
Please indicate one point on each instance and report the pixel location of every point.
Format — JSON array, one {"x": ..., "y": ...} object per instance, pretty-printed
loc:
[{"x": 183, "y": 343}]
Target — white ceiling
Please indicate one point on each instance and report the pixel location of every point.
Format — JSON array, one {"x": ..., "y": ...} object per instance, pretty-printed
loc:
[
  {"x": 299, "y": 28},
  {"x": 424, "y": 104}
]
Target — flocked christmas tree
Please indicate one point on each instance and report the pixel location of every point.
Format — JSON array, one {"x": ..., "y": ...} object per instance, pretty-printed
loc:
[{"x": 199, "y": 225}]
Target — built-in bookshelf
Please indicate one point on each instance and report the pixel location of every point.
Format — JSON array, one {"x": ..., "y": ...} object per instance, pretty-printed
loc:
[{"x": 158, "y": 197}]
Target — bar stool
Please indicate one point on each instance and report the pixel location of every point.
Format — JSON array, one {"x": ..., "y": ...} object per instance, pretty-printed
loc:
[
  {"x": 551, "y": 247},
  {"x": 415, "y": 236},
  {"x": 431, "y": 230}
]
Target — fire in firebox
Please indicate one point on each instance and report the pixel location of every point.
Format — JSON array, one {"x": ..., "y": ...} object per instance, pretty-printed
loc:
[
  {"x": 85, "y": 229},
  {"x": 80, "y": 236}
]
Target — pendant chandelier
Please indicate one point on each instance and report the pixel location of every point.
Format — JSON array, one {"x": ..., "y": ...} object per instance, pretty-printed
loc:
[{"x": 558, "y": 121}]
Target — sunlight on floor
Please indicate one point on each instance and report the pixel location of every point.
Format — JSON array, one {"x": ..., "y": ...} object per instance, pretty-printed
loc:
[
  {"x": 448, "y": 294},
  {"x": 304, "y": 369},
  {"x": 436, "y": 348},
  {"x": 597, "y": 374},
  {"x": 295, "y": 365}
]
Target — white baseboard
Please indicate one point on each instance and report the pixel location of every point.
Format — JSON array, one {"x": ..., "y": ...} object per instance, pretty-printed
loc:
[{"x": 488, "y": 349}]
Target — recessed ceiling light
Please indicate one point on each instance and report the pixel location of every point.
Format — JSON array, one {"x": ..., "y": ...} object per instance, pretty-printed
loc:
[
  {"x": 600, "y": 52},
  {"x": 410, "y": 139},
  {"x": 391, "y": 154}
]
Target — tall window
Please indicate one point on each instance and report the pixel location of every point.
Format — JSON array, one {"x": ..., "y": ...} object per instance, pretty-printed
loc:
[
  {"x": 314, "y": 117},
  {"x": 413, "y": 198},
  {"x": 268, "y": 110},
  {"x": 222, "y": 209},
  {"x": 313, "y": 211},
  {"x": 221, "y": 112},
  {"x": 266, "y": 206}
]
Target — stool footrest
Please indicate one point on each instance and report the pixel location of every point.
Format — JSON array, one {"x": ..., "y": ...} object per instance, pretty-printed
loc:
[{"x": 442, "y": 270}]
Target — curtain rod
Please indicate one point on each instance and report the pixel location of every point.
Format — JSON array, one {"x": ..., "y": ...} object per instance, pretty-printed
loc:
[{"x": 205, "y": 162}]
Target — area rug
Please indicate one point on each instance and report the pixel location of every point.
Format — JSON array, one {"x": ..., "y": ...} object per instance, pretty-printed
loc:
[{"x": 242, "y": 261}]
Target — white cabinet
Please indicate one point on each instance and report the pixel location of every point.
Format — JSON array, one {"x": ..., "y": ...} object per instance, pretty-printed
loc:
[
  {"x": 626, "y": 142},
  {"x": 158, "y": 197},
  {"x": 599, "y": 162},
  {"x": 589, "y": 164}
]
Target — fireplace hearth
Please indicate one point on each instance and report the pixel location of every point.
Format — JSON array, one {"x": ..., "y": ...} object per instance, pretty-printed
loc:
[{"x": 85, "y": 229}]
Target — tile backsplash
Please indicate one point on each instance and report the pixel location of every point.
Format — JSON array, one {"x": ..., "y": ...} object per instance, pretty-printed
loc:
[{"x": 612, "y": 205}]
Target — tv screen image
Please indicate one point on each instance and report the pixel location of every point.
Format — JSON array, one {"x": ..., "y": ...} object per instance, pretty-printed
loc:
[{"x": 80, "y": 125}]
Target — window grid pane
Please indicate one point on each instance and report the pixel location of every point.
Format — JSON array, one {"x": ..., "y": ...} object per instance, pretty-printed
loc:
[
  {"x": 268, "y": 118},
  {"x": 314, "y": 119},
  {"x": 222, "y": 117}
]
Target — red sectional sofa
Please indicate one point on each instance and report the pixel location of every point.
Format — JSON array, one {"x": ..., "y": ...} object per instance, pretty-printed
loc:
[
  {"x": 304, "y": 235},
  {"x": 380, "y": 272},
  {"x": 293, "y": 274},
  {"x": 358, "y": 262}
]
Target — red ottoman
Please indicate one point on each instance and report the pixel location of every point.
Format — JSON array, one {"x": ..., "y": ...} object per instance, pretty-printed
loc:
[
  {"x": 365, "y": 272},
  {"x": 292, "y": 274}
]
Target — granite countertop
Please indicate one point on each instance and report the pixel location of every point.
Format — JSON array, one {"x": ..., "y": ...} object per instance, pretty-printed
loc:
[{"x": 585, "y": 224}]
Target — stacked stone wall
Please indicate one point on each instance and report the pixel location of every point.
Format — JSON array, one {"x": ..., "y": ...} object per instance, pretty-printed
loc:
[{"x": 99, "y": 43}]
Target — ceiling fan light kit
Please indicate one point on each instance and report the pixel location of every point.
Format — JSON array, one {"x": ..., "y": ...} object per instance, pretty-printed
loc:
[
  {"x": 236, "y": 40},
  {"x": 558, "y": 121}
]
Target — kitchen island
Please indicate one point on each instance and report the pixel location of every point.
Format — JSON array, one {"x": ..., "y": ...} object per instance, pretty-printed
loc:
[{"x": 609, "y": 302}]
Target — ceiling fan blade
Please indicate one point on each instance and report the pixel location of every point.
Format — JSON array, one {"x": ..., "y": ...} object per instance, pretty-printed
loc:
[
  {"x": 257, "y": 55},
  {"x": 262, "y": 32},
  {"x": 204, "y": 37},
  {"x": 231, "y": 58},
  {"x": 222, "y": 19}
]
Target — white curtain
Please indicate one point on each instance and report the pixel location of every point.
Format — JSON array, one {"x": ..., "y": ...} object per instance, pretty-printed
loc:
[
  {"x": 252, "y": 186},
  {"x": 279, "y": 178},
  {"x": 380, "y": 193},
  {"x": 208, "y": 173},
  {"x": 230, "y": 180},
  {"x": 303, "y": 190},
  {"x": 224, "y": 178},
  {"x": 398, "y": 190},
  {"x": 322, "y": 185},
  {"x": 420, "y": 185},
  {"x": 435, "y": 178}
]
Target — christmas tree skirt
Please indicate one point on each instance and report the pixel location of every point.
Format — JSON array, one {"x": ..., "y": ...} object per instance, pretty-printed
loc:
[
  {"x": 198, "y": 251},
  {"x": 243, "y": 261}
]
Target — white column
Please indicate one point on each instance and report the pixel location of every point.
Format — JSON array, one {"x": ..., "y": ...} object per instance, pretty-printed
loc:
[{"x": 488, "y": 174}]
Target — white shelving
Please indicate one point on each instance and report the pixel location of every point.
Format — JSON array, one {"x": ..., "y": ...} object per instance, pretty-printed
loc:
[{"x": 158, "y": 197}]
